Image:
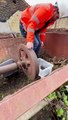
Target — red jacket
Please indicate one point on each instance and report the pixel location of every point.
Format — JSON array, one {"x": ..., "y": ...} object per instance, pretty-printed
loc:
[{"x": 34, "y": 18}]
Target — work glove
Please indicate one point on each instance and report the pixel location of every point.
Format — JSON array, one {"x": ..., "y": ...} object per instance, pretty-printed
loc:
[{"x": 29, "y": 45}]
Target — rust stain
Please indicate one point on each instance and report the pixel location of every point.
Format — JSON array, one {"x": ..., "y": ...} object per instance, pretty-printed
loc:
[
  {"x": 56, "y": 44},
  {"x": 9, "y": 47}
]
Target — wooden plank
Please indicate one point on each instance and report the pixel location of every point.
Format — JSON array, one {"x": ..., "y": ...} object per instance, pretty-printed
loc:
[
  {"x": 17, "y": 104},
  {"x": 35, "y": 109}
]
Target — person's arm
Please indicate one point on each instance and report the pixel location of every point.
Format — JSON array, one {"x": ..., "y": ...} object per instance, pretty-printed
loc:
[
  {"x": 32, "y": 26},
  {"x": 36, "y": 19},
  {"x": 30, "y": 34}
]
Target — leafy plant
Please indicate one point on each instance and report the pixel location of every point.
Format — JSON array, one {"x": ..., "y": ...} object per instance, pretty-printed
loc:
[
  {"x": 61, "y": 104},
  {"x": 52, "y": 96},
  {"x": 60, "y": 112}
]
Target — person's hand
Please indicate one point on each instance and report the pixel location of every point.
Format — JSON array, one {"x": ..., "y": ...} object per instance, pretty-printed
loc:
[{"x": 29, "y": 45}]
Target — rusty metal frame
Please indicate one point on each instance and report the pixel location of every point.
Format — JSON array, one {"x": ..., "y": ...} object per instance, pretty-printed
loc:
[{"x": 56, "y": 44}]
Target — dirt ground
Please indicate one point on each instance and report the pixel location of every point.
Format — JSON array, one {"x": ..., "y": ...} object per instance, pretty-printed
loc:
[
  {"x": 45, "y": 114},
  {"x": 18, "y": 80}
]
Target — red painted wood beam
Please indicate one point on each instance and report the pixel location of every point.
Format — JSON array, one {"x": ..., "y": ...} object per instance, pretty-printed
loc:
[{"x": 17, "y": 104}]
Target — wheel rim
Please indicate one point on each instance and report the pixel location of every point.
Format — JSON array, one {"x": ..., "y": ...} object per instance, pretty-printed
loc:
[{"x": 32, "y": 69}]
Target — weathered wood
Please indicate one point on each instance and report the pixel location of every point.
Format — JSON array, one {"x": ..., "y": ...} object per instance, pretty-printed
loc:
[{"x": 34, "y": 110}]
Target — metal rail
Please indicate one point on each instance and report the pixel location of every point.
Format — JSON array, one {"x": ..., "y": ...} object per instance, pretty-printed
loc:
[{"x": 12, "y": 66}]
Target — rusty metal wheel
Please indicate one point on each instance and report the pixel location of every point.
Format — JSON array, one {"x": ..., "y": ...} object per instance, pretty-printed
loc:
[{"x": 31, "y": 69}]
